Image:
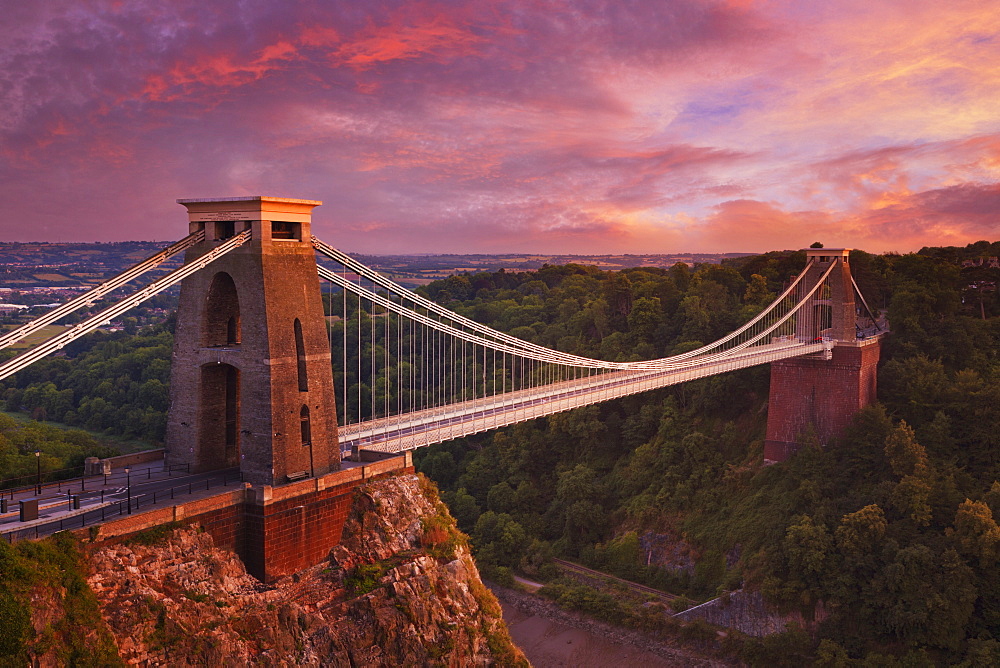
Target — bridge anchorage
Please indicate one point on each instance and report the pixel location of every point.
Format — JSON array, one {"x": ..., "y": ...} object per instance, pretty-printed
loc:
[{"x": 253, "y": 385}]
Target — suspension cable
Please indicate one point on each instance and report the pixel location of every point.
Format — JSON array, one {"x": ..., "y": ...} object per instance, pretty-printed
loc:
[
  {"x": 88, "y": 298},
  {"x": 90, "y": 324}
]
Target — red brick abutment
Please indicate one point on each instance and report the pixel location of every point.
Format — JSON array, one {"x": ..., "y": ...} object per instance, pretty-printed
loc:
[
  {"x": 276, "y": 531},
  {"x": 824, "y": 395}
]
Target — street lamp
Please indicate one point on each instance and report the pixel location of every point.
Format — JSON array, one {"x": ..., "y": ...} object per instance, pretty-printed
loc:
[
  {"x": 128, "y": 478},
  {"x": 38, "y": 466}
]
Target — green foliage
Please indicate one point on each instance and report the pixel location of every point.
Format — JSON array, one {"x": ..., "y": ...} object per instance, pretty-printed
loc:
[
  {"x": 441, "y": 537},
  {"x": 586, "y": 599},
  {"x": 463, "y": 508},
  {"x": 892, "y": 527},
  {"x": 113, "y": 383},
  {"x": 15, "y": 624},
  {"x": 790, "y": 648},
  {"x": 50, "y": 570},
  {"x": 59, "y": 448},
  {"x": 364, "y": 578}
]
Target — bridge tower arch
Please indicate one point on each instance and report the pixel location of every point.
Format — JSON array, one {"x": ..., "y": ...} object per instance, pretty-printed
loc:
[
  {"x": 822, "y": 392},
  {"x": 251, "y": 353}
]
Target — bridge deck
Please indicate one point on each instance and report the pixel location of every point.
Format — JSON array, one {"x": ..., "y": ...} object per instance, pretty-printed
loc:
[{"x": 420, "y": 428}]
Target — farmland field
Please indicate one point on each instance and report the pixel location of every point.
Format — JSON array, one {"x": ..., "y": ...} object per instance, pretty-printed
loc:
[{"x": 37, "y": 337}]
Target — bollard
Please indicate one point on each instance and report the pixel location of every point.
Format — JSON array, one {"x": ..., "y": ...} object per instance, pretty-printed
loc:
[{"x": 3, "y": 505}]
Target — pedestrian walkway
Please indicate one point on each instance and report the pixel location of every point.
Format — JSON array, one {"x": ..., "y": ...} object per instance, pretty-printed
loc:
[{"x": 80, "y": 502}]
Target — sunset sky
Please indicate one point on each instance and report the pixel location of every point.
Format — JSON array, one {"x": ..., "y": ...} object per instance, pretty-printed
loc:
[{"x": 568, "y": 126}]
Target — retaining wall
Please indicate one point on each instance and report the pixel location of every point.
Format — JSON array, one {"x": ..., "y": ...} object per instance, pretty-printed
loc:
[
  {"x": 276, "y": 531},
  {"x": 135, "y": 458}
]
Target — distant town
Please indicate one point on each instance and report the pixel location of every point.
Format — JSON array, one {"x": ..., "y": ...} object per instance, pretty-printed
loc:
[
  {"x": 41, "y": 272},
  {"x": 35, "y": 276}
]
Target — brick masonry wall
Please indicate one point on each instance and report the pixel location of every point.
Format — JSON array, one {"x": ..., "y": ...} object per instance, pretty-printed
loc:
[
  {"x": 275, "y": 284},
  {"x": 276, "y": 531},
  {"x": 295, "y": 531},
  {"x": 220, "y": 514},
  {"x": 144, "y": 457},
  {"x": 823, "y": 394}
]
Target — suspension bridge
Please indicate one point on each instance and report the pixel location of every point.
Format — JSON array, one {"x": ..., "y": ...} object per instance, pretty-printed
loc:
[
  {"x": 270, "y": 377},
  {"x": 413, "y": 373}
]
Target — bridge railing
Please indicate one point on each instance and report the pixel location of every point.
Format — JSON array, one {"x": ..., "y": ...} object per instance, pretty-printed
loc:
[
  {"x": 69, "y": 478},
  {"x": 105, "y": 510}
]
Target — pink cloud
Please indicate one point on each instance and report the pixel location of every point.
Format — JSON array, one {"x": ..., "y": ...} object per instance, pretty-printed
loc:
[
  {"x": 437, "y": 36},
  {"x": 540, "y": 124}
]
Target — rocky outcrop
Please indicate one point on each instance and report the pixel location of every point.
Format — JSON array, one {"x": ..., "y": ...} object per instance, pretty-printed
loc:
[
  {"x": 668, "y": 551},
  {"x": 401, "y": 589},
  {"x": 748, "y": 612}
]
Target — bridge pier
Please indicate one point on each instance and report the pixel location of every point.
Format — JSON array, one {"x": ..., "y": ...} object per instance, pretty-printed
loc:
[{"x": 822, "y": 392}]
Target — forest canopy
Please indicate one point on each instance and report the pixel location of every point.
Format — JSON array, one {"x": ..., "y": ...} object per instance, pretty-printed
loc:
[{"x": 892, "y": 527}]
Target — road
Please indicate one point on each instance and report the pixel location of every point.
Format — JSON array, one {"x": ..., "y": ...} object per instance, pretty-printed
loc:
[{"x": 103, "y": 497}]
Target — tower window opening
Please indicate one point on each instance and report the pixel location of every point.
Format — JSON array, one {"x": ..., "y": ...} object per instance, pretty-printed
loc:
[
  {"x": 232, "y": 411},
  {"x": 300, "y": 356},
  {"x": 305, "y": 426},
  {"x": 285, "y": 231},
  {"x": 225, "y": 229},
  {"x": 233, "y": 331},
  {"x": 222, "y": 312}
]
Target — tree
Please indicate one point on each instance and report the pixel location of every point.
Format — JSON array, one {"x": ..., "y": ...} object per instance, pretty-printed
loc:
[
  {"x": 861, "y": 532},
  {"x": 757, "y": 293},
  {"x": 807, "y": 549},
  {"x": 905, "y": 455},
  {"x": 977, "y": 533},
  {"x": 923, "y": 597},
  {"x": 500, "y": 498},
  {"x": 463, "y": 508},
  {"x": 645, "y": 317}
]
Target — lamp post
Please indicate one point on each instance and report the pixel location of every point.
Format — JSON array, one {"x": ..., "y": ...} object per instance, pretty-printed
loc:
[
  {"x": 38, "y": 468},
  {"x": 128, "y": 478}
]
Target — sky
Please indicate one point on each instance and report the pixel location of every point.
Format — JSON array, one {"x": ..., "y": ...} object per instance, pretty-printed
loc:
[{"x": 503, "y": 126}]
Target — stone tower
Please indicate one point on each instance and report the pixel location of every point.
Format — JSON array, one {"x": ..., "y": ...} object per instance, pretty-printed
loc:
[
  {"x": 251, "y": 382},
  {"x": 818, "y": 392}
]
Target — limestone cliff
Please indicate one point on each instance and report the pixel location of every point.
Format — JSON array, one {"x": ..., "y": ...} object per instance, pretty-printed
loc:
[{"x": 400, "y": 590}]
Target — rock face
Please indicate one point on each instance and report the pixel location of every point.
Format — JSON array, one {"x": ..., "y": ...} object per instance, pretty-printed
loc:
[
  {"x": 748, "y": 612},
  {"x": 401, "y": 589}
]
